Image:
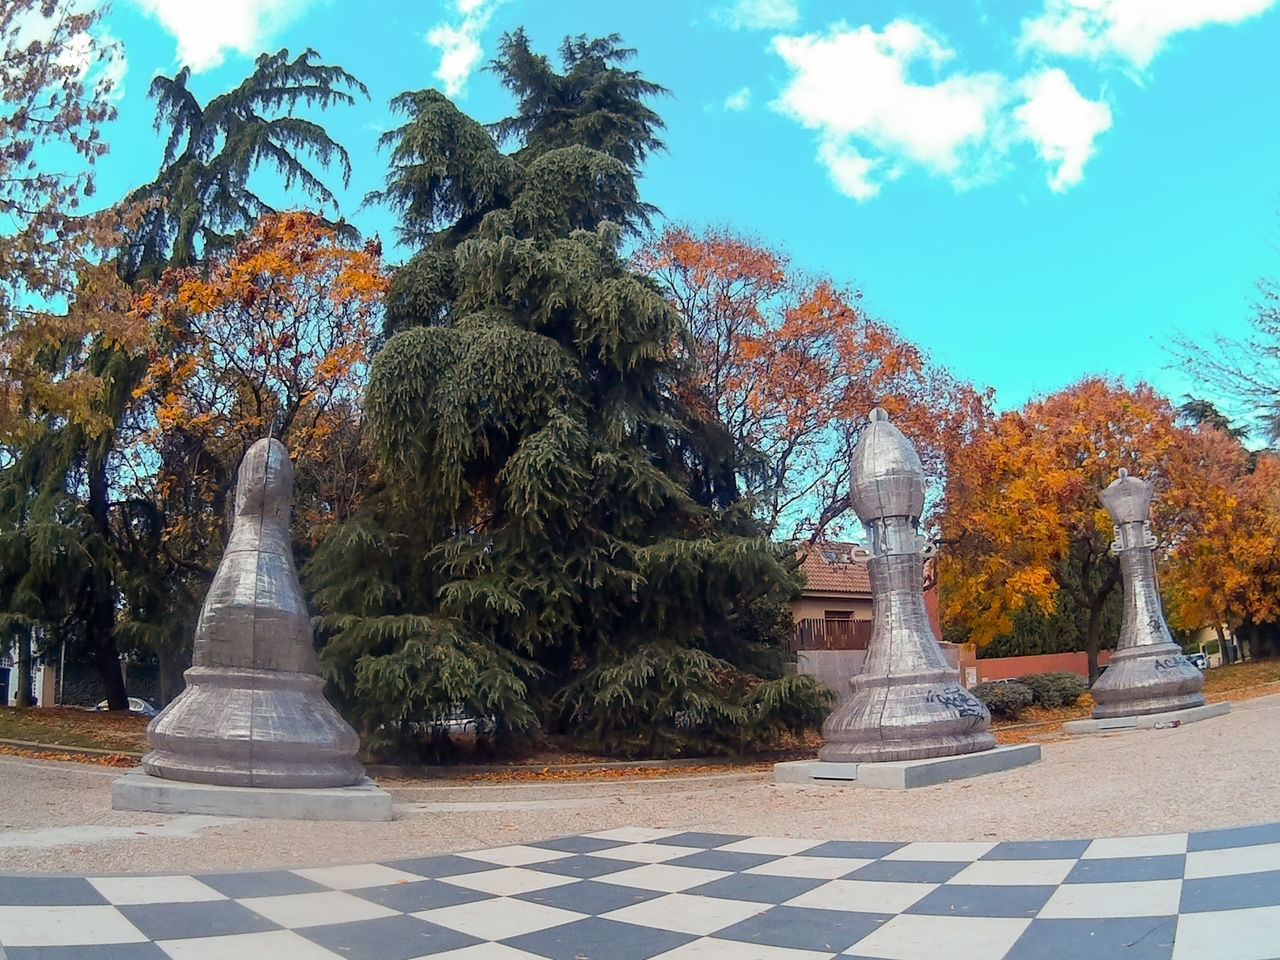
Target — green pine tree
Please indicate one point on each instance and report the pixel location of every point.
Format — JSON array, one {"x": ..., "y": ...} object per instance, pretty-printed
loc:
[
  {"x": 44, "y": 559},
  {"x": 557, "y": 543},
  {"x": 59, "y": 568},
  {"x": 201, "y": 197}
]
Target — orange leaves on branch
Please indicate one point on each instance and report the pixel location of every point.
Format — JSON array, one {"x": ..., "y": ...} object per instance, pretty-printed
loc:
[
  {"x": 272, "y": 339},
  {"x": 1230, "y": 571},
  {"x": 792, "y": 366},
  {"x": 59, "y": 303}
]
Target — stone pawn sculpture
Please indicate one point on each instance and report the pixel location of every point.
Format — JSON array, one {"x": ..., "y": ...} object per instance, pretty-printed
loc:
[
  {"x": 252, "y": 713},
  {"x": 1148, "y": 672},
  {"x": 907, "y": 703}
]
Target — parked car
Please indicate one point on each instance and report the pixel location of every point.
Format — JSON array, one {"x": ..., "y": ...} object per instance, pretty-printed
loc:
[
  {"x": 1199, "y": 659},
  {"x": 136, "y": 705}
]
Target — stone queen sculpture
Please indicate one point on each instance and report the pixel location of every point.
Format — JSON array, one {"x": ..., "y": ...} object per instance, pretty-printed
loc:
[
  {"x": 252, "y": 713},
  {"x": 908, "y": 703},
  {"x": 1148, "y": 673}
]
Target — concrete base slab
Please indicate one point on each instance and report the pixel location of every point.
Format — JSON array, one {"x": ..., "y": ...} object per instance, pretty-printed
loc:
[
  {"x": 905, "y": 774},
  {"x": 364, "y": 800},
  {"x": 1149, "y": 721}
]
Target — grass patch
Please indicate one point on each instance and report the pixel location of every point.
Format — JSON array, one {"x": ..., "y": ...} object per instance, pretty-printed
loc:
[
  {"x": 73, "y": 727},
  {"x": 1238, "y": 676}
]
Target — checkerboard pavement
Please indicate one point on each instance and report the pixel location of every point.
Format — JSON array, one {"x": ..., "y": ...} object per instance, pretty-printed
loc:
[{"x": 636, "y": 893}]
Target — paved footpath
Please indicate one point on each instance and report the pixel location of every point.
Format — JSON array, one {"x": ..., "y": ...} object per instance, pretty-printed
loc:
[{"x": 631, "y": 893}]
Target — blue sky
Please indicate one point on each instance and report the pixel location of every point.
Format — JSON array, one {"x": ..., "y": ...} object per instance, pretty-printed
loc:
[{"x": 1031, "y": 191}]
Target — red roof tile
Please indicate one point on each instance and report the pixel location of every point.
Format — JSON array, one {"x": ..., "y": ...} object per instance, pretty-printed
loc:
[{"x": 830, "y": 568}]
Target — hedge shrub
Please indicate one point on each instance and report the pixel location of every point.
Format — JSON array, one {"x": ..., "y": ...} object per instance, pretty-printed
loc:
[
  {"x": 1006, "y": 701},
  {"x": 1056, "y": 688}
]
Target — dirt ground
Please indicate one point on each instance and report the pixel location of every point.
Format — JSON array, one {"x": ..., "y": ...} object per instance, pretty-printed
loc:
[{"x": 56, "y": 817}]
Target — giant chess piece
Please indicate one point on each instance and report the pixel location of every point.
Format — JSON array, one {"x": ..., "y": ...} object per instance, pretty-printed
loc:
[
  {"x": 253, "y": 714},
  {"x": 907, "y": 703},
  {"x": 1148, "y": 673}
]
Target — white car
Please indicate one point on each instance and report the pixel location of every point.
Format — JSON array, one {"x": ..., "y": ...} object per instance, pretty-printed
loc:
[{"x": 136, "y": 705}]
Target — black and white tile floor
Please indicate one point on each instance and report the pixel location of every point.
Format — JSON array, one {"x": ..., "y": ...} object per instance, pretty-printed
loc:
[{"x": 636, "y": 893}]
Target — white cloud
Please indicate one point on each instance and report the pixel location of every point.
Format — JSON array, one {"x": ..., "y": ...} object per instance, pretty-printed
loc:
[
  {"x": 854, "y": 85},
  {"x": 459, "y": 43},
  {"x": 739, "y": 100},
  {"x": 1131, "y": 30},
  {"x": 759, "y": 14},
  {"x": 850, "y": 171},
  {"x": 884, "y": 103},
  {"x": 207, "y": 31},
  {"x": 1061, "y": 124}
]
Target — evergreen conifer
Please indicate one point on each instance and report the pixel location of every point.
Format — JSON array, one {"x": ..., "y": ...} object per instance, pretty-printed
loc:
[
  {"x": 558, "y": 543},
  {"x": 201, "y": 196}
]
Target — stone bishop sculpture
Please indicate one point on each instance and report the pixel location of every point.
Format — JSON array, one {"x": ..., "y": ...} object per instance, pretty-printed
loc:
[
  {"x": 908, "y": 703},
  {"x": 252, "y": 713},
  {"x": 1148, "y": 673}
]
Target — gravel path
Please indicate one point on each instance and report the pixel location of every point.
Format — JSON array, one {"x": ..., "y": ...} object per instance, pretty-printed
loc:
[{"x": 57, "y": 817}]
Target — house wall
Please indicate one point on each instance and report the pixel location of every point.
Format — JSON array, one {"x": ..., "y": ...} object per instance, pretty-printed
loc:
[
  {"x": 43, "y": 687},
  {"x": 931, "y": 607},
  {"x": 1207, "y": 635},
  {"x": 814, "y": 608}
]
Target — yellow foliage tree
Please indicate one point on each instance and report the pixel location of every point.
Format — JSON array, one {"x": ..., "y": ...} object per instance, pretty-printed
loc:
[
  {"x": 1229, "y": 573},
  {"x": 270, "y": 340},
  {"x": 1022, "y": 522}
]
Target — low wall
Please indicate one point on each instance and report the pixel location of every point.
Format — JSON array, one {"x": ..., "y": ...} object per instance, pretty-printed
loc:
[
  {"x": 1008, "y": 668},
  {"x": 835, "y": 667},
  {"x": 832, "y": 667}
]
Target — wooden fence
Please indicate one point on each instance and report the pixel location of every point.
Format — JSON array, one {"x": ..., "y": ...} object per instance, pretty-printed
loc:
[{"x": 831, "y": 635}]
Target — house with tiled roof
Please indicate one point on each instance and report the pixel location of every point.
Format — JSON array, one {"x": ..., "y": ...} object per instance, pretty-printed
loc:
[{"x": 833, "y": 611}]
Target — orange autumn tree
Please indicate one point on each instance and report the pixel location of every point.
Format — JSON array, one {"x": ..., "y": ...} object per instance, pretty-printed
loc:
[
  {"x": 792, "y": 366},
  {"x": 272, "y": 339},
  {"x": 1021, "y": 520},
  {"x": 1229, "y": 574}
]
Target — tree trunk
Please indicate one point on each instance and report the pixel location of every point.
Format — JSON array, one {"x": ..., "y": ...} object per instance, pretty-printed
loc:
[
  {"x": 172, "y": 667},
  {"x": 99, "y": 627},
  {"x": 23, "y": 696},
  {"x": 1093, "y": 639},
  {"x": 1094, "y": 600},
  {"x": 107, "y": 663}
]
